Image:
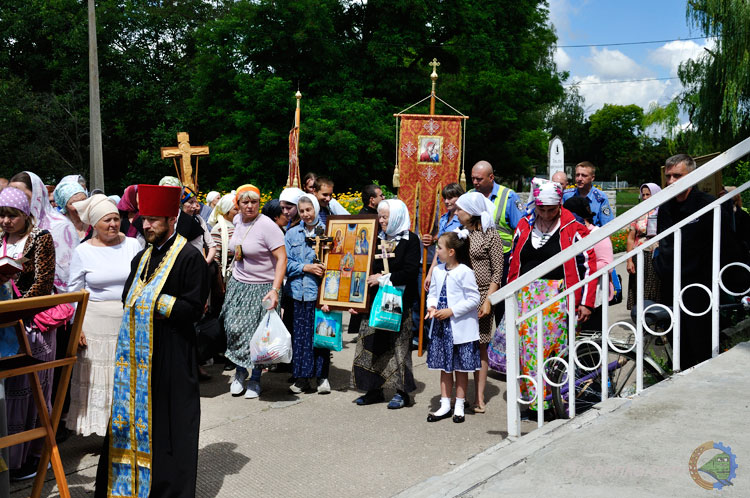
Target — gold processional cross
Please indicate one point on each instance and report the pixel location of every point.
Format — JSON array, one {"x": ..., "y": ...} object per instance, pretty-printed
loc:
[{"x": 185, "y": 151}]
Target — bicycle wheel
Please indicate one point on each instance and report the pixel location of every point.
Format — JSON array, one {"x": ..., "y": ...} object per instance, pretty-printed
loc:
[{"x": 588, "y": 383}]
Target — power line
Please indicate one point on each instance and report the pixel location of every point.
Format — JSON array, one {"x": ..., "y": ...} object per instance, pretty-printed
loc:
[
  {"x": 632, "y": 43},
  {"x": 621, "y": 81}
]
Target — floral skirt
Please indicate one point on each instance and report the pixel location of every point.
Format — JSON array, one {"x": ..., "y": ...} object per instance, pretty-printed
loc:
[{"x": 555, "y": 329}]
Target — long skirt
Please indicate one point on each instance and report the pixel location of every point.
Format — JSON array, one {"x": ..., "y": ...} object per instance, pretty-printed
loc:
[
  {"x": 382, "y": 358},
  {"x": 555, "y": 332},
  {"x": 651, "y": 282},
  {"x": 20, "y": 406},
  {"x": 92, "y": 381},
  {"x": 242, "y": 313},
  {"x": 307, "y": 361}
]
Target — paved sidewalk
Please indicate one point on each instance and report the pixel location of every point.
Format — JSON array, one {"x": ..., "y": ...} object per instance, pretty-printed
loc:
[
  {"x": 625, "y": 447},
  {"x": 303, "y": 445}
]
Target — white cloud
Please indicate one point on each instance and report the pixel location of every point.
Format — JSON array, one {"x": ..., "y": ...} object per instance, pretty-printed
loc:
[
  {"x": 598, "y": 92},
  {"x": 671, "y": 54},
  {"x": 562, "y": 59},
  {"x": 613, "y": 64}
]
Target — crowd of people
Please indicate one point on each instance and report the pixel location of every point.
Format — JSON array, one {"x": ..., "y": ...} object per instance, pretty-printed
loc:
[{"x": 158, "y": 264}]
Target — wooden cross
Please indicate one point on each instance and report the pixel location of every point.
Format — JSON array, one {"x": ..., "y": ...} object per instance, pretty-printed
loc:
[
  {"x": 320, "y": 241},
  {"x": 385, "y": 255},
  {"x": 122, "y": 363},
  {"x": 185, "y": 152},
  {"x": 119, "y": 421}
]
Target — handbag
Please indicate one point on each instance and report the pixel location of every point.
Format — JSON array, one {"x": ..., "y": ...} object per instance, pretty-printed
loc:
[
  {"x": 388, "y": 306},
  {"x": 51, "y": 318},
  {"x": 327, "y": 331}
]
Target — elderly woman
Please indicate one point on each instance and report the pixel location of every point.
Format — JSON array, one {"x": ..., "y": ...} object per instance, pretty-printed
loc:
[
  {"x": 101, "y": 266},
  {"x": 545, "y": 231},
  {"x": 130, "y": 221},
  {"x": 474, "y": 211},
  {"x": 66, "y": 194},
  {"x": 260, "y": 265},
  {"x": 221, "y": 218},
  {"x": 641, "y": 230},
  {"x": 383, "y": 358},
  {"x": 22, "y": 239}
]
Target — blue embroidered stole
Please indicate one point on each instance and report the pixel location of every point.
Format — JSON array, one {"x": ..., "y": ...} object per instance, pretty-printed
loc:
[{"x": 130, "y": 423}]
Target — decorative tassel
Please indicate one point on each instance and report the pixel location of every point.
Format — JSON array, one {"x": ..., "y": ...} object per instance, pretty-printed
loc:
[
  {"x": 396, "y": 178},
  {"x": 463, "y": 179}
]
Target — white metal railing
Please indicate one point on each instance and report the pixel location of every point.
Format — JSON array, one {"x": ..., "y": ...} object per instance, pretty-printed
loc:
[{"x": 508, "y": 294}]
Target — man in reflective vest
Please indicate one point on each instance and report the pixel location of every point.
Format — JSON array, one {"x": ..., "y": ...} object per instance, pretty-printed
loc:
[
  {"x": 598, "y": 202},
  {"x": 508, "y": 208}
]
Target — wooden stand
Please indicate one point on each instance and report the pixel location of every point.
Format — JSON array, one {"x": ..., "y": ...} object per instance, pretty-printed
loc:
[{"x": 12, "y": 313}]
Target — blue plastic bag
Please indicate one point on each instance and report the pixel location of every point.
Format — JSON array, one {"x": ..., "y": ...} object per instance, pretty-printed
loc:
[
  {"x": 388, "y": 306},
  {"x": 327, "y": 331}
]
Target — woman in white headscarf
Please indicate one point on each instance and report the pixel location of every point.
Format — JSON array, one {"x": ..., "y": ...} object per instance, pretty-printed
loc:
[
  {"x": 474, "y": 211},
  {"x": 545, "y": 231},
  {"x": 101, "y": 266},
  {"x": 288, "y": 200},
  {"x": 383, "y": 358}
]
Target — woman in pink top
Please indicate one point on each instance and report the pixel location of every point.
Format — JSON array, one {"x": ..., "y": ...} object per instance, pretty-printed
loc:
[
  {"x": 257, "y": 276},
  {"x": 641, "y": 230}
]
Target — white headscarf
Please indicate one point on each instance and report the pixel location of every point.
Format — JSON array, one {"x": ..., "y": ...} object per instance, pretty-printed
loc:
[
  {"x": 291, "y": 195},
  {"x": 95, "y": 208},
  {"x": 211, "y": 196},
  {"x": 63, "y": 232},
  {"x": 398, "y": 220},
  {"x": 222, "y": 207},
  {"x": 476, "y": 204}
]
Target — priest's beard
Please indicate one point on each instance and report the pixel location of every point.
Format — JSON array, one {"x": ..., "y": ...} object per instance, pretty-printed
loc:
[{"x": 158, "y": 233}]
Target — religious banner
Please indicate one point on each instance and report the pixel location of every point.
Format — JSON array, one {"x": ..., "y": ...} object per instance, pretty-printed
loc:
[
  {"x": 294, "y": 179},
  {"x": 429, "y": 158}
]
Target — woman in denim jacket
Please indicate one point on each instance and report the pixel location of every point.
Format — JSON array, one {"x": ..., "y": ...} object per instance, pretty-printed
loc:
[{"x": 303, "y": 277}]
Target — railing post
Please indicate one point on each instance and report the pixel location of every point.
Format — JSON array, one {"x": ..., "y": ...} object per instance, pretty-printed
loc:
[
  {"x": 715, "y": 282},
  {"x": 639, "y": 268},
  {"x": 539, "y": 370},
  {"x": 572, "y": 355},
  {"x": 605, "y": 326},
  {"x": 511, "y": 366},
  {"x": 676, "y": 312}
]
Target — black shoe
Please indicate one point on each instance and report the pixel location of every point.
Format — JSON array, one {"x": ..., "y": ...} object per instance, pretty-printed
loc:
[
  {"x": 27, "y": 470},
  {"x": 459, "y": 419},
  {"x": 229, "y": 366},
  {"x": 371, "y": 397},
  {"x": 435, "y": 418},
  {"x": 203, "y": 375}
]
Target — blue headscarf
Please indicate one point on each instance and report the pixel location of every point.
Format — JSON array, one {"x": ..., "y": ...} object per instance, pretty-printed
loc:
[{"x": 64, "y": 191}]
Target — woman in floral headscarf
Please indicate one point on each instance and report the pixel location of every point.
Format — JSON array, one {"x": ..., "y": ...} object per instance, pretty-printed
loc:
[
  {"x": 546, "y": 230},
  {"x": 641, "y": 230},
  {"x": 383, "y": 358},
  {"x": 66, "y": 194}
]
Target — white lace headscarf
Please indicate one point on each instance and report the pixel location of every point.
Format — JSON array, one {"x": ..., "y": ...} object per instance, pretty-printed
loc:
[{"x": 225, "y": 204}]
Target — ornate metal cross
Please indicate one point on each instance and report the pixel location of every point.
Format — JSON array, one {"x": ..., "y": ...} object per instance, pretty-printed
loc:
[{"x": 185, "y": 152}]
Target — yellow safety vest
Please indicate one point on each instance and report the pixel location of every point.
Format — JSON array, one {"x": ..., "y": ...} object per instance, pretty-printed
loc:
[{"x": 501, "y": 205}]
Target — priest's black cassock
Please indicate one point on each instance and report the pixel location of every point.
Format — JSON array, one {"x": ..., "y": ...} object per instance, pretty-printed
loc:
[{"x": 174, "y": 377}]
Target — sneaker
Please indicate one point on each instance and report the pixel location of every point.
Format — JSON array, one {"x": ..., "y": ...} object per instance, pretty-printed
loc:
[
  {"x": 27, "y": 470},
  {"x": 300, "y": 386},
  {"x": 371, "y": 397},
  {"x": 399, "y": 400},
  {"x": 238, "y": 384},
  {"x": 324, "y": 387},
  {"x": 253, "y": 389}
]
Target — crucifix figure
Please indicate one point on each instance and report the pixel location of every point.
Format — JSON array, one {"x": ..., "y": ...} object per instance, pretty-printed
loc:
[
  {"x": 185, "y": 151},
  {"x": 385, "y": 255},
  {"x": 321, "y": 242}
]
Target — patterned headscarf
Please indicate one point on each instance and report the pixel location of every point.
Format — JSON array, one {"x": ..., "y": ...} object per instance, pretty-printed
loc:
[
  {"x": 64, "y": 191},
  {"x": 187, "y": 194},
  {"x": 12, "y": 197},
  {"x": 63, "y": 232},
  {"x": 543, "y": 193},
  {"x": 398, "y": 220},
  {"x": 476, "y": 204}
]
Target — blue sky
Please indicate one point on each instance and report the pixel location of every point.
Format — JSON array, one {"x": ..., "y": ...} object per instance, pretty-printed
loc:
[{"x": 579, "y": 22}]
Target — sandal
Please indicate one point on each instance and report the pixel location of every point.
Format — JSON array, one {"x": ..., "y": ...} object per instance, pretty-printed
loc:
[{"x": 479, "y": 409}]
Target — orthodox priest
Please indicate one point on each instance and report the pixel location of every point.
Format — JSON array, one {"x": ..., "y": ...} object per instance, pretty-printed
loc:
[{"x": 151, "y": 448}]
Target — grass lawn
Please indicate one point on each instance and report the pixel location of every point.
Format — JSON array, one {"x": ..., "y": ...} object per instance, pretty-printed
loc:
[{"x": 626, "y": 199}]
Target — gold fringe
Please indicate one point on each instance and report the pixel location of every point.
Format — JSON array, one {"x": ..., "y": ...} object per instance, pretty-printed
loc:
[{"x": 463, "y": 179}]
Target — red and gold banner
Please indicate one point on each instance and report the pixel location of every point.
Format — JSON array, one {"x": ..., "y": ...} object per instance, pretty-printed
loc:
[
  {"x": 294, "y": 179},
  {"x": 429, "y": 158}
]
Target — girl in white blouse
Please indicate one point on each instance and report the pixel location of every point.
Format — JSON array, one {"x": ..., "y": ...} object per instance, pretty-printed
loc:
[{"x": 454, "y": 336}]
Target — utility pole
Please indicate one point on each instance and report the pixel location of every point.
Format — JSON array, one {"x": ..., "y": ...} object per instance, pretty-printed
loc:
[{"x": 96, "y": 161}]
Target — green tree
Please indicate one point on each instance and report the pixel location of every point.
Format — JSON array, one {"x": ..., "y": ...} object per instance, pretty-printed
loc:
[
  {"x": 717, "y": 85},
  {"x": 568, "y": 120},
  {"x": 615, "y": 134}
]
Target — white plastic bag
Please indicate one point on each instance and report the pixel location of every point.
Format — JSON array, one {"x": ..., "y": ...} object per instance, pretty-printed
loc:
[{"x": 271, "y": 342}]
